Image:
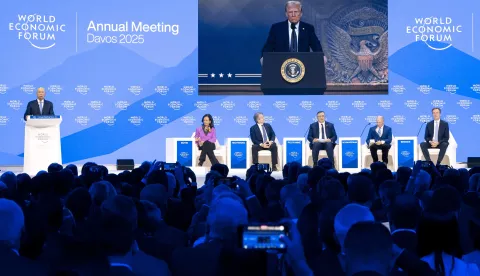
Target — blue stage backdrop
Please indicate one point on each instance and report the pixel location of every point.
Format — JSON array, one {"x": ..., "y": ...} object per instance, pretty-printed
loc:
[{"x": 123, "y": 90}]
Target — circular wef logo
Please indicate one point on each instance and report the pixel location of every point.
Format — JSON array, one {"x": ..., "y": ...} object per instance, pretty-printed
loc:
[
  {"x": 238, "y": 154},
  {"x": 293, "y": 70},
  {"x": 405, "y": 153}
]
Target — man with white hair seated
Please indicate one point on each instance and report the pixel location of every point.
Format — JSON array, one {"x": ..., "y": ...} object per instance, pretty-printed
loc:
[{"x": 12, "y": 223}]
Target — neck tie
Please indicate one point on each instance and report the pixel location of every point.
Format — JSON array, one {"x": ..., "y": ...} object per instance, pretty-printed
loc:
[
  {"x": 323, "y": 132},
  {"x": 41, "y": 107},
  {"x": 293, "y": 42},
  {"x": 435, "y": 132},
  {"x": 264, "y": 134},
  {"x": 379, "y": 132}
]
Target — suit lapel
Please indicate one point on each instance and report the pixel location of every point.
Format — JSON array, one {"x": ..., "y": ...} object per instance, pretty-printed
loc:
[
  {"x": 301, "y": 39},
  {"x": 286, "y": 26},
  {"x": 38, "y": 107}
]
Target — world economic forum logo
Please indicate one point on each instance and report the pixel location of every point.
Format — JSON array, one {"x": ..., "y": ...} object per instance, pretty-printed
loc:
[
  {"x": 175, "y": 105},
  {"x": 451, "y": 119},
  {"x": 385, "y": 104},
  {"x": 412, "y": 104},
  {"x": 238, "y": 154},
  {"x": 122, "y": 105},
  {"x": 349, "y": 154},
  {"x": 435, "y": 29},
  {"x": 228, "y": 105},
  {"x": 188, "y": 120},
  {"x": 465, "y": 104},
  {"x": 280, "y": 105},
  {"x": 217, "y": 120},
  {"x": 96, "y": 105},
  {"x": 294, "y": 120},
  {"x": 69, "y": 105},
  {"x": 405, "y": 153},
  {"x": 82, "y": 120},
  {"x": 254, "y": 105},
  {"x": 475, "y": 88},
  {"x": 307, "y": 105},
  {"x": 359, "y": 105},
  {"x": 371, "y": 119},
  {"x": 399, "y": 119},
  {"x": 333, "y": 105},
  {"x": 28, "y": 88},
  {"x": 162, "y": 90},
  {"x": 3, "y": 120},
  {"x": 184, "y": 154},
  {"x": 162, "y": 120},
  {"x": 188, "y": 90},
  {"x": 15, "y": 104},
  {"x": 398, "y": 89},
  {"x": 40, "y": 30},
  {"x": 43, "y": 137},
  {"x": 451, "y": 88},
  {"x": 136, "y": 120},
  {"x": 476, "y": 118},
  {"x": 424, "y": 88},
  {"x": 241, "y": 120},
  {"x": 149, "y": 105},
  {"x": 269, "y": 119},
  {"x": 135, "y": 89},
  {"x": 82, "y": 89},
  {"x": 109, "y": 89},
  {"x": 438, "y": 103},
  {"x": 202, "y": 105},
  {"x": 294, "y": 154},
  {"x": 55, "y": 89},
  {"x": 346, "y": 120},
  {"x": 109, "y": 120},
  {"x": 425, "y": 118},
  {"x": 3, "y": 88}
]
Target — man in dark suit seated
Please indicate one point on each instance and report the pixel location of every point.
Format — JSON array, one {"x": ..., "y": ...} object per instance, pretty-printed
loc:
[
  {"x": 404, "y": 215},
  {"x": 322, "y": 136},
  {"x": 40, "y": 106},
  {"x": 263, "y": 138},
  {"x": 292, "y": 35},
  {"x": 379, "y": 138},
  {"x": 437, "y": 134}
]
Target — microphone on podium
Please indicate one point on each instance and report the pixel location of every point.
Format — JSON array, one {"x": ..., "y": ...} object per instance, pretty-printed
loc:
[
  {"x": 365, "y": 128},
  {"x": 420, "y": 128}
]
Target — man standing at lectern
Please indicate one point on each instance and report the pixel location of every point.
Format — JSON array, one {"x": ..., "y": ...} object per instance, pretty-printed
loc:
[
  {"x": 379, "y": 138},
  {"x": 263, "y": 138},
  {"x": 40, "y": 106},
  {"x": 322, "y": 136},
  {"x": 437, "y": 134},
  {"x": 292, "y": 35}
]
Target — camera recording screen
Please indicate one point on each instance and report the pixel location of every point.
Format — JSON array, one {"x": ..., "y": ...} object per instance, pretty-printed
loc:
[
  {"x": 169, "y": 166},
  {"x": 263, "y": 237}
]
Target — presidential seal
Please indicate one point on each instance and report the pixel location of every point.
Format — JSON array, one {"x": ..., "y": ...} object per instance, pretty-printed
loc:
[{"x": 293, "y": 70}]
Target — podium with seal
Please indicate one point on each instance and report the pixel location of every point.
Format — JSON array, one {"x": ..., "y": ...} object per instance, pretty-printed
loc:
[
  {"x": 42, "y": 143},
  {"x": 293, "y": 73}
]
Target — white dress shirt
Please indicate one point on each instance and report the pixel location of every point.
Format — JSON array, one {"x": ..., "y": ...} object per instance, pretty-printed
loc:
[
  {"x": 320, "y": 130},
  {"x": 261, "y": 130},
  {"x": 435, "y": 131},
  {"x": 379, "y": 131},
  {"x": 41, "y": 104},
  {"x": 290, "y": 32}
]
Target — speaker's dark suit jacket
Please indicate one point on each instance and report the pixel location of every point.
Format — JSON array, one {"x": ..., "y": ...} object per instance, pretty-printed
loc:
[
  {"x": 256, "y": 134},
  {"x": 443, "y": 131},
  {"x": 33, "y": 108},
  {"x": 314, "y": 132},
  {"x": 386, "y": 135},
  {"x": 279, "y": 41}
]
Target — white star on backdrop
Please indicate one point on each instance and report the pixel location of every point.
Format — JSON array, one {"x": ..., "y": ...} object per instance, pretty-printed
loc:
[
  {"x": 221, "y": 75},
  {"x": 212, "y": 75},
  {"x": 229, "y": 75}
]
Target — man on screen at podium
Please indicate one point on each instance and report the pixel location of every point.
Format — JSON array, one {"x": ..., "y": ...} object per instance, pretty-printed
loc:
[
  {"x": 40, "y": 106},
  {"x": 263, "y": 138},
  {"x": 437, "y": 134},
  {"x": 379, "y": 138},
  {"x": 292, "y": 35},
  {"x": 322, "y": 136}
]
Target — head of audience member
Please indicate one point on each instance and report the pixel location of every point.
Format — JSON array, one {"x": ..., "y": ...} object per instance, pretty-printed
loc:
[
  {"x": 156, "y": 194},
  {"x": 445, "y": 200},
  {"x": 62, "y": 182},
  {"x": 145, "y": 166},
  {"x": 331, "y": 172},
  {"x": 261, "y": 184},
  {"x": 48, "y": 211},
  {"x": 304, "y": 169},
  {"x": 366, "y": 171},
  {"x": 24, "y": 186},
  {"x": 172, "y": 185},
  {"x": 221, "y": 168},
  {"x": 474, "y": 170},
  {"x": 3, "y": 190},
  {"x": 314, "y": 176},
  {"x": 388, "y": 191},
  {"x": 224, "y": 218},
  {"x": 361, "y": 190},
  {"x": 404, "y": 213},
  {"x": 348, "y": 216},
  {"x": 382, "y": 176},
  {"x": 302, "y": 183},
  {"x": 11, "y": 216},
  {"x": 137, "y": 175},
  {"x": 368, "y": 247},
  {"x": 377, "y": 166},
  {"x": 54, "y": 167},
  {"x": 331, "y": 189},
  {"x": 87, "y": 166},
  {"x": 101, "y": 191},
  {"x": 464, "y": 177},
  {"x": 288, "y": 191},
  {"x": 273, "y": 191},
  {"x": 92, "y": 175},
  {"x": 403, "y": 175},
  {"x": 293, "y": 11},
  {"x": 118, "y": 225},
  {"x": 293, "y": 170},
  {"x": 474, "y": 183},
  {"x": 474, "y": 229},
  {"x": 158, "y": 177},
  {"x": 325, "y": 163},
  {"x": 9, "y": 179},
  {"x": 422, "y": 181},
  {"x": 439, "y": 234},
  {"x": 78, "y": 202},
  {"x": 149, "y": 216},
  {"x": 343, "y": 178},
  {"x": 330, "y": 209},
  {"x": 73, "y": 168},
  {"x": 284, "y": 171},
  {"x": 295, "y": 205}
]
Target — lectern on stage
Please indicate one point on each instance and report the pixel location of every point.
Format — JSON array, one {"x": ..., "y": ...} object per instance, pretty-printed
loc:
[
  {"x": 42, "y": 143},
  {"x": 293, "y": 73}
]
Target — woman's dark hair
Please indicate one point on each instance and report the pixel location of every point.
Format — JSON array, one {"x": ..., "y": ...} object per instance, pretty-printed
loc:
[
  {"x": 437, "y": 235},
  {"x": 211, "y": 120}
]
